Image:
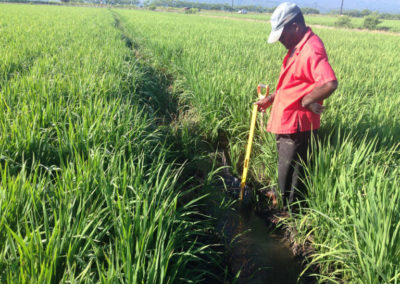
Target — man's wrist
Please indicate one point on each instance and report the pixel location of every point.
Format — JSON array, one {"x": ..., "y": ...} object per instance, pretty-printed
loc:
[{"x": 304, "y": 103}]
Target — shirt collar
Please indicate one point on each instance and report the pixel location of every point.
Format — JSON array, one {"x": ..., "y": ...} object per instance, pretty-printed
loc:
[{"x": 301, "y": 43}]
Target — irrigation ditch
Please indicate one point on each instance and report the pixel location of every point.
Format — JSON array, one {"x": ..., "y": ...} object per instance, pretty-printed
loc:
[{"x": 251, "y": 244}]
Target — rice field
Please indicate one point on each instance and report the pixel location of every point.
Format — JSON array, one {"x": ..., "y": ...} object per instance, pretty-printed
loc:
[
  {"x": 107, "y": 113},
  {"x": 90, "y": 188},
  {"x": 322, "y": 20}
]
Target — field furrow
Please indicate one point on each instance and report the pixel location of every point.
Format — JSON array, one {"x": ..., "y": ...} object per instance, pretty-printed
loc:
[{"x": 89, "y": 188}]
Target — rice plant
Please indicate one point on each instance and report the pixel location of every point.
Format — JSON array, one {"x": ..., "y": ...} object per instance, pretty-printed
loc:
[
  {"x": 95, "y": 153},
  {"x": 88, "y": 189},
  {"x": 353, "y": 185}
]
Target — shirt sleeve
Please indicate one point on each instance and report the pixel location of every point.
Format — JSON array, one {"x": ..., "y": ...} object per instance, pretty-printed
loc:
[{"x": 320, "y": 69}]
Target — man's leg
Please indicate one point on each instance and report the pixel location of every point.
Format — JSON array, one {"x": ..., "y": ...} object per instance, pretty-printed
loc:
[
  {"x": 303, "y": 141},
  {"x": 292, "y": 149},
  {"x": 286, "y": 156}
]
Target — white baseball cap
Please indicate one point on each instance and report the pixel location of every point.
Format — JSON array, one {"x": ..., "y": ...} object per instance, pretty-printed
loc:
[{"x": 282, "y": 15}]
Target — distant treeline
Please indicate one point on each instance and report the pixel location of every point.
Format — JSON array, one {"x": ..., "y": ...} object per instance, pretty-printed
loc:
[
  {"x": 214, "y": 6},
  {"x": 224, "y": 7},
  {"x": 208, "y": 6},
  {"x": 44, "y": 2},
  {"x": 366, "y": 12},
  {"x": 79, "y": 2}
]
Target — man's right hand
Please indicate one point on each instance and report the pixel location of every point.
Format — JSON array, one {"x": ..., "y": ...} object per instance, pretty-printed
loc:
[{"x": 264, "y": 103}]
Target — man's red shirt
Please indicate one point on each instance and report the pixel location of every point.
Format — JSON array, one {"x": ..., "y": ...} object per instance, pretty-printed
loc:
[{"x": 307, "y": 68}]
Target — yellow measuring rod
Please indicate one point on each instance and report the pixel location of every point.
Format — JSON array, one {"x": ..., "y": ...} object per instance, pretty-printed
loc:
[{"x": 250, "y": 141}]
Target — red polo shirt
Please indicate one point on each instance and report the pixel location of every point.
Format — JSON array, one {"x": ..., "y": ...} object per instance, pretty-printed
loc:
[{"x": 300, "y": 74}]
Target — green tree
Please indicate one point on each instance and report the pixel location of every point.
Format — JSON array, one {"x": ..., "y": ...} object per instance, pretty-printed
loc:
[
  {"x": 371, "y": 22},
  {"x": 344, "y": 22}
]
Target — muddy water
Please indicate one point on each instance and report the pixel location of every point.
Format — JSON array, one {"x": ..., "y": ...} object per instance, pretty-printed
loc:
[{"x": 260, "y": 254}]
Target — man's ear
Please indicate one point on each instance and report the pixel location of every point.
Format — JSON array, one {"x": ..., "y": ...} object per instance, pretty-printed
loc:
[{"x": 296, "y": 27}]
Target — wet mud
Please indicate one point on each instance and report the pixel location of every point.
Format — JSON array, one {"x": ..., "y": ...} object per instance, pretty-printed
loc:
[{"x": 258, "y": 251}]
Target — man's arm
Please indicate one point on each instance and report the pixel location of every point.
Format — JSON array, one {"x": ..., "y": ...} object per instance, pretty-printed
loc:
[{"x": 319, "y": 93}]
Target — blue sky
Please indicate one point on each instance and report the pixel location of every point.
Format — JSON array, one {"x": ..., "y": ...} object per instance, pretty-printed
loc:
[{"x": 391, "y": 6}]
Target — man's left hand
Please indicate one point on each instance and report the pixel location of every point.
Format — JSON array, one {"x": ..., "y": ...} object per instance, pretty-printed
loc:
[
  {"x": 319, "y": 93},
  {"x": 316, "y": 108}
]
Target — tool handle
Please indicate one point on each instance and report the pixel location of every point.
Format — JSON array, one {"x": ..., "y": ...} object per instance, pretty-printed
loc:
[
  {"x": 259, "y": 89},
  {"x": 250, "y": 140},
  {"x": 248, "y": 151}
]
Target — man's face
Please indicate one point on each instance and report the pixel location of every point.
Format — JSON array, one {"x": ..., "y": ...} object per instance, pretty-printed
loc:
[{"x": 289, "y": 36}]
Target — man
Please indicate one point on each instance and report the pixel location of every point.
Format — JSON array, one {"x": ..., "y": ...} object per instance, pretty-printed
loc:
[{"x": 306, "y": 79}]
